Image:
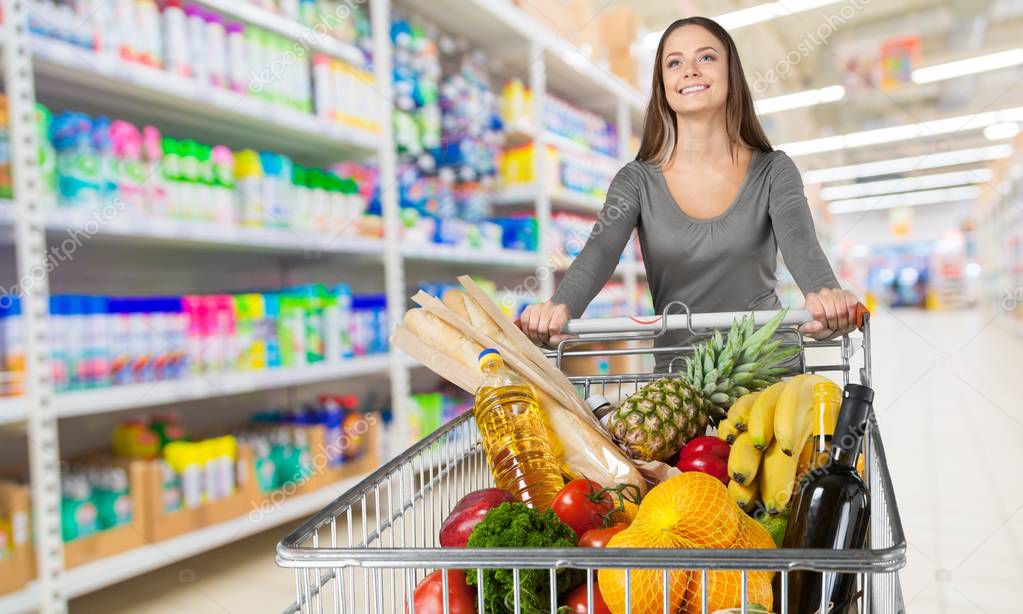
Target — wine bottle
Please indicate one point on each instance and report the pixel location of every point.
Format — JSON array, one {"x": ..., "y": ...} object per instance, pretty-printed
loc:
[{"x": 832, "y": 510}]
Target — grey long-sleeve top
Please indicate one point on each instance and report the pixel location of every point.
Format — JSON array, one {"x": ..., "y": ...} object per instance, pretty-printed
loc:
[{"x": 725, "y": 263}]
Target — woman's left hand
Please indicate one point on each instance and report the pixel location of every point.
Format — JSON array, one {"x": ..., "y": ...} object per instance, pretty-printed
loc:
[{"x": 833, "y": 311}]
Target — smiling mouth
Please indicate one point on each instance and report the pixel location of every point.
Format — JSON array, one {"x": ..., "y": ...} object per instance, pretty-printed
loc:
[{"x": 694, "y": 89}]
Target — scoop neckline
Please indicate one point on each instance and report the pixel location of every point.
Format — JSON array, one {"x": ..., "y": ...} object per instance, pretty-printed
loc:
[{"x": 731, "y": 207}]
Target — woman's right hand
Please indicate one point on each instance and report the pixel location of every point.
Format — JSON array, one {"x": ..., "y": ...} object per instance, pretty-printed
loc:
[{"x": 542, "y": 322}]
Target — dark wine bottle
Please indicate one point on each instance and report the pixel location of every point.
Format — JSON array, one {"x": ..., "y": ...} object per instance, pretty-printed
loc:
[{"x": 832, "y": 510}]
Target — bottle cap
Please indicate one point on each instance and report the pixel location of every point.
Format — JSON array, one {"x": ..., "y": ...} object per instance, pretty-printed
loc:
[
  {"x": 597, "y": 401},
  {"x": 862, "y": 393}
]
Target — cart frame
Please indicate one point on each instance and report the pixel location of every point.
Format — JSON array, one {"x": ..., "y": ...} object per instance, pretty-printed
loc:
[{"x": 368, "y": 549}]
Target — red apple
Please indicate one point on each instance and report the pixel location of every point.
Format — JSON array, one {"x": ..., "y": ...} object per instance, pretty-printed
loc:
[
  {"x": 467, "y": 513},
  {"x": 705, "y": 463},
  {"x": 707, "y": 444}
]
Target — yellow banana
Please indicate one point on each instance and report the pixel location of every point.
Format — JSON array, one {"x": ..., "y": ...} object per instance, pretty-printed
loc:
[
  {"x": 777, "y": 478},
  {"x": 739, "y": 412},
  {"x": 745, "y": 496},
  {"x": 727, "y": 431},
  {"x": 743, "y": 460},
  {"x": 761, "y": 422},
  {"x": 793, "y": 411}
]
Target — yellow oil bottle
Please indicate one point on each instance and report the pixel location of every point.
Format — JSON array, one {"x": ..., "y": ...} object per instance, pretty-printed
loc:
[{"x": 514, "y": 436}]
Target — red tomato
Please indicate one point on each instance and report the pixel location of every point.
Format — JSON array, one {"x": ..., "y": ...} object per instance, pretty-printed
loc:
[
  {"x": 577, "y": 602},
  {"x": 576, "y": 507},
  {"x": 706, "y": 463},
  {"x": 707, "y": 444},
  {"x": 429, "y": 596},
  {"x": 598, "y": 538}
]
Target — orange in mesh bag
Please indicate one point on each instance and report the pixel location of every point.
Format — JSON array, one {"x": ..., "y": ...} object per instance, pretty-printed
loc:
[{"x": 692, "y": 510}]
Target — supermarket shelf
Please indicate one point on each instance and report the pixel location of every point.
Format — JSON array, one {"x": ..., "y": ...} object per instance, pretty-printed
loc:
[
  {"x": 12, "y": 409},
  {"x": 285, "y": 26},
  {"x": 105, "y": 572},
  {"x": 180, "y": 233},
  {"x": 505, "y": 32},
  {"x": 505, "y": 258},
  {"x": 73, "y": 76},
  {"x": 131, "y": 396},
  {"x": 518, "y": 134},
  {"x": 561, "y": 198}
]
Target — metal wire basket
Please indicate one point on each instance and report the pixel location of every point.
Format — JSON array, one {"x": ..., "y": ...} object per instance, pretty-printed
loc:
[{"x": 367, "y": 550}]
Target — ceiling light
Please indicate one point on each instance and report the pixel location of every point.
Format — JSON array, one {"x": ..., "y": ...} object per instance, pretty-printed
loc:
[
  {"x": 909, "y": 199},
  {"x": 997, "y": 132},
  {"x": 969, "y": 66},
  {"x": 906, "y": 184},
  {"x": 752, "y": 15},
  {"x": 768, "y": 11},
  {"x": 904, "y": 132},
  {"x": 903, "y": 165},
  {"x": 808, "y": 98}
]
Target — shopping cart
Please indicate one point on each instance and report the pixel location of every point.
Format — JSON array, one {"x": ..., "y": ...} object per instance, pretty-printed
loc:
[{"x": 366, "y": 551}]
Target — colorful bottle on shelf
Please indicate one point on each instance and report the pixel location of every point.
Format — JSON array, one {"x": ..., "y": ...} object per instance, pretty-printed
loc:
[{"x": 514, "y": 437}]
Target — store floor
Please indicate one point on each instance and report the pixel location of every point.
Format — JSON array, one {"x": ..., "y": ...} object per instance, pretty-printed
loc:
[{"x": 947, "y": 386}]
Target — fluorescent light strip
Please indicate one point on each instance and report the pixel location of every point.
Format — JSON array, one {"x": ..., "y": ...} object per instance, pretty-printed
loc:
[
  {"x": 904, "y": 132},
  {"x": 902, "y": 165},
  {"x": 907, "y": 184},
  {"x": 909, "y": 199},
  {"x": 768, "y": 11},
  {"x": 999, "y": 132},
  {"x": 798, "y": 100},
  {"x": 969, "y": 66}
]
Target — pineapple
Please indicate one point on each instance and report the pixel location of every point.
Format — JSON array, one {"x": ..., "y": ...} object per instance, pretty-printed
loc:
[{"x": 656, "y": 421}]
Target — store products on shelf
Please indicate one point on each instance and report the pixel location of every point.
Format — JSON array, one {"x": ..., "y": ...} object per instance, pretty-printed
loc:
[
  {"x": 202, "y": 46},
  {"x": 95, "y": 497},
  {"x": 434, "y": 409},
  {"x": 611, "y": 301},
  {"x": 6, "y": 178},
  {"x": 559, "y": 117},
  {"x": 345, "y": 94},
  {"x": 570, "y": 170},
  {"x": 416, "y": 76},
  {"x": 99, "y": 341},
  {"x": 570, "y": 231},
  {"x": 145, "y": 174}
]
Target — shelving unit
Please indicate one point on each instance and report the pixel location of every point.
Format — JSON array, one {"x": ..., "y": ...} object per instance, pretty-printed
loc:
[{"x": 82, "y": 79}]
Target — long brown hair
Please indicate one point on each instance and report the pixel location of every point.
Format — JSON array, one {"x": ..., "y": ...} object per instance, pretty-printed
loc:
[{"x": 659, "y": 125}]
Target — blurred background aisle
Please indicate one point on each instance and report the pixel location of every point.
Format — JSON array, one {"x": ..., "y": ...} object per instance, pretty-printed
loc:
[{"x": 213, "y": 211}]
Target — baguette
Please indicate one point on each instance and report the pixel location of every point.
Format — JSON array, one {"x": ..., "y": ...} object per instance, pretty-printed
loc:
[
  {"x": 443, "y": 337},
  {"x": 455, "y": 300}
]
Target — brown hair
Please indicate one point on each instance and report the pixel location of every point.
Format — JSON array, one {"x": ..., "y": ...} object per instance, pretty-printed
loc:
[{"x": 659, "y": 125}]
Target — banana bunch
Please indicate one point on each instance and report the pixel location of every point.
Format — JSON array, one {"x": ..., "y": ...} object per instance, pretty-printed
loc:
[{"x": 768, "y": 431}]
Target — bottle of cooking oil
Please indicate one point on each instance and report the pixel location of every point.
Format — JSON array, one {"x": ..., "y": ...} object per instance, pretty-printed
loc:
[{"x": 514, "y": 436}]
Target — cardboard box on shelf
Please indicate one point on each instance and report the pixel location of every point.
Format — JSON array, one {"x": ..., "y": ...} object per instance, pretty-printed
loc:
[
  {"x": 18, "y": 567},
  {"x": 247, "y": 497},
  {"x": 161, "y": 524},
  {"x": 565, "y": 17},
  {"x": 118, "y": 539}
]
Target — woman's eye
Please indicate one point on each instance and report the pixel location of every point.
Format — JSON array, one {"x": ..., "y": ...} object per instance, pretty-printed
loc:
[
  {"x": 708, "y": 57},
  {"x": 673, "y": 63}
]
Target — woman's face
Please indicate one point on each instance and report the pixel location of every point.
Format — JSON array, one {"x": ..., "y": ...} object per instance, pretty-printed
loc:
[{"x": 694, "y": 71}]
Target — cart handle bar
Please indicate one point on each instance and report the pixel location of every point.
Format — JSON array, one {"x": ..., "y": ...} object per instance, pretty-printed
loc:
[{"x": 685, "y": 321}]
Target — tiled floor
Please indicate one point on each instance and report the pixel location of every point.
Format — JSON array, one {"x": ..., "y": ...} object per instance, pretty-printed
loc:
[{"x": 947, "y": 387}]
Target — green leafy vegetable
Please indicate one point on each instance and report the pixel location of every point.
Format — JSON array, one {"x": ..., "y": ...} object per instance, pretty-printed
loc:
[{"x": 516, "y": 525}]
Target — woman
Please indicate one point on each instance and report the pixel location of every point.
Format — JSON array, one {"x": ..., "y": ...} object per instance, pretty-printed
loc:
[{"x": 712, "y": 202}]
